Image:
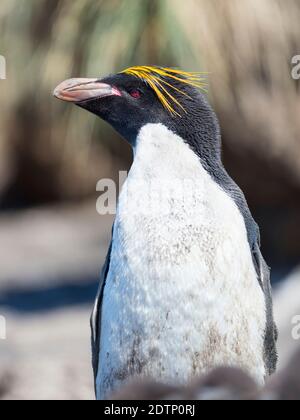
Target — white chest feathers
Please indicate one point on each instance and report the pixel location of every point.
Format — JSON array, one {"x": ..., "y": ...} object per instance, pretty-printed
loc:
[{"x": 182, "y": 294}]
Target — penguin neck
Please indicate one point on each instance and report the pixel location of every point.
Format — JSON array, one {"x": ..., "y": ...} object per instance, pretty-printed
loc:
[
  {"x": 197, "y": 139},
  {"x": 160, "y": 153},
  {"x": 201, "y": 132}
]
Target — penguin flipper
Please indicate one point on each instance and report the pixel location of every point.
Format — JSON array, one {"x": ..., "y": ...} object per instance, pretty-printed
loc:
[
  {"x": 271, "y": 333},
  {"x": 96, "y": 316}
]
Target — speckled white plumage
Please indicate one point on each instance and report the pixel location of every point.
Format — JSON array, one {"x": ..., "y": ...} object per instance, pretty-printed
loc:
[{"x": 181, "y": 294}]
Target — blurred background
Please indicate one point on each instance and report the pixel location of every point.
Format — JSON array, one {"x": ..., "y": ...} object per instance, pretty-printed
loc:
[{"x": 52, "y": 242}]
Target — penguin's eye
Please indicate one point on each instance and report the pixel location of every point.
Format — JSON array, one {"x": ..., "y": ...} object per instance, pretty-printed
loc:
[{"x": 135, "y": 93}]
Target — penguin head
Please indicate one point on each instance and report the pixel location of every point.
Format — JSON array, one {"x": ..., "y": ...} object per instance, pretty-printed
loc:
[{"x": 148, "y": 95}]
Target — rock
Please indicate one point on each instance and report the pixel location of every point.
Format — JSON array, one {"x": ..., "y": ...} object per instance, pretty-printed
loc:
[
  {"x": 223, "y": 384},
  {"x": 285, "y": 386},
  {"x": 147, "y": 390},
  {"x": 6, "y": 383},
  {"x": 220, "y": 384}
]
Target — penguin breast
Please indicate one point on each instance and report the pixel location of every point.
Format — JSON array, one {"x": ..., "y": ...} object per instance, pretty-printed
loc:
[{"x": 182, "y": 294}]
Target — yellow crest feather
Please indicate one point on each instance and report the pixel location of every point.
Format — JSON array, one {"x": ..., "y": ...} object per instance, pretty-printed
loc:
[{"x": 156, "y": 79}]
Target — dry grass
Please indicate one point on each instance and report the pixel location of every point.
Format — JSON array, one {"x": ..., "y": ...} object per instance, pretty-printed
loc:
[{"x": 245, "y": 45}]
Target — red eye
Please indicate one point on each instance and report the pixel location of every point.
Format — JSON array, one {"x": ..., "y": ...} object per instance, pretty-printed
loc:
[{"x": 135, "y": 93}]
